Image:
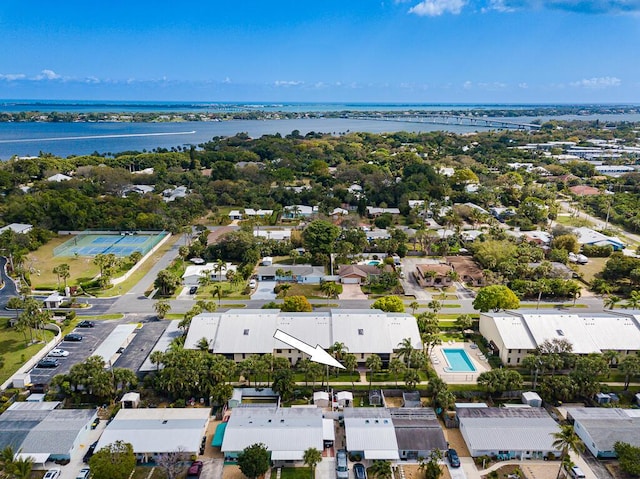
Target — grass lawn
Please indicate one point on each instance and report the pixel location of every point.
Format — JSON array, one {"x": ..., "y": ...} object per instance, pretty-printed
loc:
[
  {"x": 42, "y": 261},
  {"x": 454, "y": 316},
  {"x": 13, "y": 349},
  {"x": 448, "y": 305},
  {"x": 308, "y": 290},
  {"x": 229, "y": 290},
  {"x": 593, "y": 267},
  {"x": 572, "y": 221},
  {"x": 296, "y": 473}
]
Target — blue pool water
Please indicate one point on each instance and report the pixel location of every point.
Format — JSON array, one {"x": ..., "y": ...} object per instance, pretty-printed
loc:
[
  {"x": 374, "y": 262},
  {"x": 459, "y": 361}
]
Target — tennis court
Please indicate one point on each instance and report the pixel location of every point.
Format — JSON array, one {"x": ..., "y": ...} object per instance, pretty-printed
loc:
[{"x": 117, "y": 243}]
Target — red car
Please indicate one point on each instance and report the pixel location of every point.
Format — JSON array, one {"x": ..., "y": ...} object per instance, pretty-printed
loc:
[{"x": 194, "y": 470}]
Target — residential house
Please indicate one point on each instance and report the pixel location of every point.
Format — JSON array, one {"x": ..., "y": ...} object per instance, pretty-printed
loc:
[
  {"x": 374, "y": 212},
  {"x": 508, "y": 433},
  {"x": 433, "y": 275},
  {"x": 558, "y": 270},
  {"x": 237, "y": 334},
  {"x": 235, "y": 215},
  {"x": 418, "y": 432},
  {"x": 468, "y": 270},
  {"x": 600, "y": 428},
  {"x": 584, "y": 190},
  {"x": 279, "y": 234},
  {"x": 138, "y": 189},
  {"x": 298, "y": 211},
  {"x": 502, "y": 214},
  {"x": 17, "y": 228},
  {"x": 512, "y": 335},
  {"x": 300, "y": 273},
  {"x": 360, "y": 273},
  {"x": 370, "y": 433},
  {"x": 251, "y": 213},
  {"x": 592, "y": 237},
  {"x": 172, "y": 194},
  {"x": 58, "y": 177},
  {"x": 193, "y": 273},
  {"x": 43, "y": 432},
  {"x": 339, "y": 212},
  {"x": 157, "y": 431}
]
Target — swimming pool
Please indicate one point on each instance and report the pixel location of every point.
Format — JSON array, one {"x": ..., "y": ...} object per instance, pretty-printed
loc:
[
  {"x": 374, "y": 262},
  {"x": 459, "y": 361}
]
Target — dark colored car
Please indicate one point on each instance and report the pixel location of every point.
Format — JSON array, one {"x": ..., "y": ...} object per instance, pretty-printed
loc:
[
  {"x": 73, "y": 337},
  {"x": 194, "y": 470},
  {"x": 359, "y": 471},
  {"x": 95, "y": 423},
  {"x": 86, "y": 324},
  {"x": 454, "y": 460},
  {"x": 48, "y": 363},
  {"x": 193, "y": 290},
  {"x": 90, "y": 452}
]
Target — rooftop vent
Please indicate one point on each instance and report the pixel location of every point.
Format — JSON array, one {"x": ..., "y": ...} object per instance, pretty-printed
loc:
[
  {"x": 361, "y": 332},
  {"x": 165, "y": 421},
  {"x": 246, "y": 332},
  {"x": 560, "y": 332}
]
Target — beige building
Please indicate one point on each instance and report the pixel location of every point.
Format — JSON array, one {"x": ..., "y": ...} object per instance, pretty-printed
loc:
[
  {"x": 239, "y": 334},
  {"x": 513, "y": 335}
]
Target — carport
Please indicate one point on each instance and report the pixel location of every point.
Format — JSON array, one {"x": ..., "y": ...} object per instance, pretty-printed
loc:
[{"x": 219, "y": 435}]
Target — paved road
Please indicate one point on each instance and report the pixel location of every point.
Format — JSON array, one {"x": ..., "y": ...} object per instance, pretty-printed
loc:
[{"x": 10, "y": 288}]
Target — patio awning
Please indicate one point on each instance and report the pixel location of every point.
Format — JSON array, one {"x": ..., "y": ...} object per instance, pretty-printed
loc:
[
  {"x": 219, "y": 435},
  {"x": 382, "y": 454},
  {"x": 37, "y": 458},
  {"x": 287, "y": 455}
]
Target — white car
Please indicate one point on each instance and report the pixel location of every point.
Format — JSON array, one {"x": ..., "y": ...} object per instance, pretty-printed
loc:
[
  {"x": 53, "y": 473},
  {"x": 84, "y": 473},
  {"x": 58, "y": 353},
  {"x": 253, "y": 284}
]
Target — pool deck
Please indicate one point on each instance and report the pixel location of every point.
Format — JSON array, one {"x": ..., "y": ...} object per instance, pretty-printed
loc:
[{"x": 440, "y": 364}]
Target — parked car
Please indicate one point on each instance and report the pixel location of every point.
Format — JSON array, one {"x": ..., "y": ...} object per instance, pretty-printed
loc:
[
  {"x": 48, "y": 363},
  {"x": 95, "y": 423},
  {"x": 86, "y": 324},
  {"x": 89, "y": 452},
  {"x": 84, "y": 473},
  {"x": 53, "y": 473},
  {"x": 342, "y": 466},
  {"x": 253, "y": 283},
  {"x": 454, "y": 460},
  {"x": 195, "y": 469},
  {"x": 359, "y": 471},
  {"x": 576, "y": 473},
  {"x": 73, "y": 337},
  {"x": 58, "y": 353}
]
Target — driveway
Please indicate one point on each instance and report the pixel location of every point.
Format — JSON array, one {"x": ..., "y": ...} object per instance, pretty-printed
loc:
[
  {"x": 352, "y": 291},
  {"x": 264, "y": 291}
]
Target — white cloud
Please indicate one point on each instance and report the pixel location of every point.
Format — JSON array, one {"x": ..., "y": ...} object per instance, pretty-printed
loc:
[
  {"x": 597, "y": 82},
  {"x": 287, "y": 83},
  {"x": 47, "y": 75},
  {"x": 435, "y": 8},
  {"x": 467, "y": 85},
  {"x": 12, "y": 76},
  {"x": 523, "y": 85},
  {"x": 227, "y": 80}
]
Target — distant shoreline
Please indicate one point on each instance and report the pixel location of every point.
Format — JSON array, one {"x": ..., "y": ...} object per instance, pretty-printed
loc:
[{"x": 147, "y": 113}]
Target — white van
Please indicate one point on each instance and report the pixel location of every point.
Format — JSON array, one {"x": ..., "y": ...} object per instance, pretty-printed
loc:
[{"x": 577, "y": 473}]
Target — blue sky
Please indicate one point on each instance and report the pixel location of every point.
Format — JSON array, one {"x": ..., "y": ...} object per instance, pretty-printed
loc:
[{"x": 504, "y": 51}]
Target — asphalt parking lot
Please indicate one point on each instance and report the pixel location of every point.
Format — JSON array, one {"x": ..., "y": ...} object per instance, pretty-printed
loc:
[
  {"x": 140, "y": 347},
  {"x": 78, "y": 351}
]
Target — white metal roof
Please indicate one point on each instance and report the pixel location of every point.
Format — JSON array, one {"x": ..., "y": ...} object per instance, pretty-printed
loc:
[
  {"x": 370, "y": 435},
  {"x": 118, "y": 338},
  {"x": 285, "y": 431},
  {"x": 328, "y": 431},
  {"x": 513, "y": 331},
  {"x": 251, "y": 331},
  {"x": 157, "y": 430},
  {"x": 517, "y": 433}
]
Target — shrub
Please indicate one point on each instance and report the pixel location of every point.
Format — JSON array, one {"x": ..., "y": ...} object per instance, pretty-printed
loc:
[{"x": 594, "y": 251}]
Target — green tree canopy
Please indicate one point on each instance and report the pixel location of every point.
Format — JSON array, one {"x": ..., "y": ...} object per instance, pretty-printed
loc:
[
  {"x": 495, "y": 298},
  {"x": 114, "y": 461},
  {"x": 254, "y": 460},
  {"x": 320, "y": 236},
  {"x": 390, "y": 304},
  {"x": 297, "y": 304}
]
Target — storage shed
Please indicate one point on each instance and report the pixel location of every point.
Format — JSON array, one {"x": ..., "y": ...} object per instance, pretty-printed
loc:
[{"x": 532, "y": 399}]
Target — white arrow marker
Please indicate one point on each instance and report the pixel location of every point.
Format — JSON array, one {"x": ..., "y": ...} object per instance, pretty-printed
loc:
[{"x": 317, "y": 354}]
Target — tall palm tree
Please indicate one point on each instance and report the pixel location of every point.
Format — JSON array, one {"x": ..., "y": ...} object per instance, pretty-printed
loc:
[
  {"x": 405, "y": 350},
  {"x": 634, "y": 300},
  {"x": 350, "y": 362},
  {"x": 311, "y": 458},
  {"x": 22, "y": 468},
  {"x": 566, "y": 441},
  {"x": 217, "y": 291},
  {"x": 414, "y": 305},
  {"x": 611, "y": 301},
  {"x": 374, "y": 363}
]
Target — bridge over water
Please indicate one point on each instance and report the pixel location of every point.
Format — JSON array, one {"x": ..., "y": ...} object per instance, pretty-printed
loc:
[{"x": 443, "y": 119}]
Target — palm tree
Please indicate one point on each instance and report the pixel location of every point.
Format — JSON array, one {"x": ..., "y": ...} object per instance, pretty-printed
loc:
[
  {"x": 156, "y": 358},
  {"x": 435, "y": 305},
  {"x": 293, "y": 254},
  {"x": 217, "y": 291},
  {"x": 414, "y": 305},
  {"x": 405, "y": 350},
  {"x": 381, "y": 470},
  {"x": 611, "y": 301},
  {"x": 350, "y": 363},
  {"x": 203, "y": 344},
  {"x": 162, "y": 307},
  {"x": 396, "y": 367},
  {"x": 311, "y": 458},
  {"x": 634, "y": 300},
  {"x": 22, "y": 467},
  {"x": 219, "y": 267},
  {"x": 374, "y": 363},
  {"x": 284, "y": 288},
  {"x": 330, "y": 289},
  {"x": 566, "y": 440}
]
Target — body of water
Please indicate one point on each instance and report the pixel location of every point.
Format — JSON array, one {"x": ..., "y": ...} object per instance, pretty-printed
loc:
[{"x": 64, "y": 139}]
